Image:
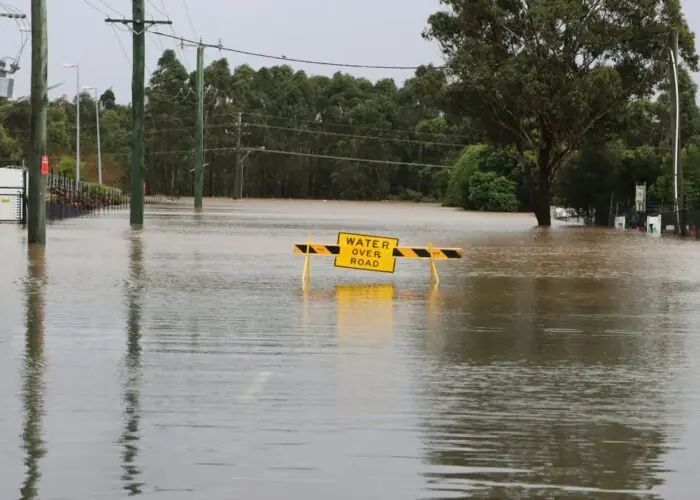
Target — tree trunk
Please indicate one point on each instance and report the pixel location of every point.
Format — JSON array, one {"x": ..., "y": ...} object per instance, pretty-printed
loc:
[
  {"x": 602, "y": 215},
  {"x": 541, "y": 195}
]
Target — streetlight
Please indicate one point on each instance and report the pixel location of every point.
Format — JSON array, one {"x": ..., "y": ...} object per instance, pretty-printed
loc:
[
  {"x": 77, "y": 123},
  {"x": 676, "y": 141},
  {"x": 97, "y": 119}
]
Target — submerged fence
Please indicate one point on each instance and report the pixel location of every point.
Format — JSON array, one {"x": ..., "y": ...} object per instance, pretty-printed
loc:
[
  {"x": 66, "y": 198},
  {"x": 634, "y": 220}
]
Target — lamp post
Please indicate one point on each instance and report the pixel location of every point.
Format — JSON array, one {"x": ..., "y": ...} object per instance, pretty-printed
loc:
[
  {"x": 77, "y": 122},
  {"x": 97, "y": 120},
  {"x": 676, "y": 141}
]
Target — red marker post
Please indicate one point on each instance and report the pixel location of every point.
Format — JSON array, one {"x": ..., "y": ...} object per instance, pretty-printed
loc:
[{"x": 44, "y": 165}]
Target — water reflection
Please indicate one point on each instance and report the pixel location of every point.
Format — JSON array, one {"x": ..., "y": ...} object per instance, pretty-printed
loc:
[
  {"x": 365, "y": 336},
  {"x": 131, "y": 393},
  {"x": 33, "y": 373},
  {"x": 548, "y": 383},
  {"x": 365, "y": 315}
]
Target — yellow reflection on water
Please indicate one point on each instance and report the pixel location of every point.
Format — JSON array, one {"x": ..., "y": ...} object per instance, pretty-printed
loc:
[
  {"x": 365, "y": 315},
  {"x": 365, "y": 341}
]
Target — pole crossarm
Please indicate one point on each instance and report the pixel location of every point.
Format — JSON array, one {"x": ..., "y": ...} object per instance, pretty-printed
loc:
[{"x": 150, "y": 22}]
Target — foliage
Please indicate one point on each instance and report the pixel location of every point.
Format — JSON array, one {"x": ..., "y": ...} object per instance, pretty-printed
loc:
[
  {"x": 458, "y": 187},
  {"x": 491, "y": 192},
  {"x": 663, "y": 191},
  {"x": 540, "y": 98},
  {"x": 540, "y": 75},
  {"x": 507, "y": 179},
  {"x": 66, "y": 167}
]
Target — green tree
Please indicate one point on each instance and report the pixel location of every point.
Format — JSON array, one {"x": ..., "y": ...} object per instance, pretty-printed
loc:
[
  {"x": 603, "y": 174},
  {"x": 663, "y": 192},
  {"x": 540, "y": 75},
  {"x": 458, "y": 186},
  {"x": 490, "y": 192}
]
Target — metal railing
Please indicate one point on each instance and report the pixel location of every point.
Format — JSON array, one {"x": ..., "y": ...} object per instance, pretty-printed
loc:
[{"x": 66, "y": 198}]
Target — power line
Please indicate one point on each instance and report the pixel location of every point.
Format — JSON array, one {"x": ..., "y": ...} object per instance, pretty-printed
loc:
[
  {"x": 285, "y": 58},
  {"x": 256, "y": 113},
  {"x": 189, "y": 17},
  {"x": 266, "y": 116},
  {"x": 166, "y": 14},
  {"x": 103, "y": 2},
  {"x": 313, "y": 155},
  {"x": 318, "y": 132},
  {"x": 95, "y": 7},
  {"x": 159, "y": 11},
  {"x": 356, "y": 136}
]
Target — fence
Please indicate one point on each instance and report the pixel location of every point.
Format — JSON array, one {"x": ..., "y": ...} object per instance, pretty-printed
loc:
[
  {"x": 668, "y": 215},
  {"x": 66, "y": 198}
]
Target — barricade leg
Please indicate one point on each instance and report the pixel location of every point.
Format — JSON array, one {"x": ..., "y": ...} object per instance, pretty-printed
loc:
[
  {"x": 305, "y": 275},
  {"x": 433, "y": 267}
]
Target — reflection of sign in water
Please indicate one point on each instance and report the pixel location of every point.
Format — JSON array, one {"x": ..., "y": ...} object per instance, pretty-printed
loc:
[
  {"x": 364, "y": 364},
  {"x": 370, "y": 253},
  {"x": 365, "y": 315},
  {"x": 640, "y": 198}
]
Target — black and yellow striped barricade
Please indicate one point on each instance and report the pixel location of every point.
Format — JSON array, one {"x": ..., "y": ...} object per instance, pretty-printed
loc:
[{"x": 372, "y": 253}]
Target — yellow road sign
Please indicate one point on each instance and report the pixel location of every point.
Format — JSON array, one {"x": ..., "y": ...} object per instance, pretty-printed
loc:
[{"x": 369, "y": 253}]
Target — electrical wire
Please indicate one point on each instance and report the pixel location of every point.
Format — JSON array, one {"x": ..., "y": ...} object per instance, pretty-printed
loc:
[
  {"x": 119, "y": 41},
  {"x": 320, "y": 132},
  {"x": 311, "y": 155},
  {"x": 265, "y": 116},
  {"x": 285, "y": 58},
  {"x": 178, "y": 48},
  {"x": 103, "y": 2},
  {"x": 189, "y": 17}
]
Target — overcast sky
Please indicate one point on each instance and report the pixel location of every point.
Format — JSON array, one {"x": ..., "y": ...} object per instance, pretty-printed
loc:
[{"x": 372, "y": 32}]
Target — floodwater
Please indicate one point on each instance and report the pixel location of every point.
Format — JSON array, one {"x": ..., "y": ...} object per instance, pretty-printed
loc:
[{"x": 187, "y": 361}]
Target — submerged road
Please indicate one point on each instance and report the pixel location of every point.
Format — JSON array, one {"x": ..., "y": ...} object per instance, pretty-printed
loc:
[{"x": 187, "y": 362}]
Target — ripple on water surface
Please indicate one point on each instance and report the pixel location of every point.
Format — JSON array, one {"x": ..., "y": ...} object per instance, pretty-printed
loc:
[{"x": 187, "y": 360}]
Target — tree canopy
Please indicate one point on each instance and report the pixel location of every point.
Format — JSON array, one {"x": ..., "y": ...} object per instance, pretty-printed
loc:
[
  {"x": 541, "y": 75},
  {"x": 563, "y": 101}
]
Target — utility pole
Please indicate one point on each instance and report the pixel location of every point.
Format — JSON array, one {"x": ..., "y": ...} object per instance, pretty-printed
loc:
[
  {"x": 36, "y": 220},
  {"x": 138, "y": 106},
  {"x": 238, "y": 172},
  {"x": 199, "y": 153},
  {"x": 676, "y": 112}
]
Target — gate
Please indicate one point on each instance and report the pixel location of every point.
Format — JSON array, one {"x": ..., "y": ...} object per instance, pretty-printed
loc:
[
  {"x": 11, "y": 206},
  {"x": 13, "y": 186}
]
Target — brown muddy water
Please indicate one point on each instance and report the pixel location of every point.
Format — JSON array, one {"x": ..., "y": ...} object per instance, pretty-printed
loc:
[{"x": 187, "y": 362}]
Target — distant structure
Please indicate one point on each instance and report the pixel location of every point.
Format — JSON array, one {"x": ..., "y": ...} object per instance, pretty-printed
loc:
[{"x": 7, "y": 83}]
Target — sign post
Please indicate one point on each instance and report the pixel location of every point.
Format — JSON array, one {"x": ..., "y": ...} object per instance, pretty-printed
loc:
[
  {"x": 641, "y": 198},
  {"x": 44, "y": 165}
]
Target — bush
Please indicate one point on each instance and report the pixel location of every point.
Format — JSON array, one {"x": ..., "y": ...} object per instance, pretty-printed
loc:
[
  {"x": 490, "y": 192},
  {"x": 457, "y": 194},
  {"x": 66, "y": 167}
]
